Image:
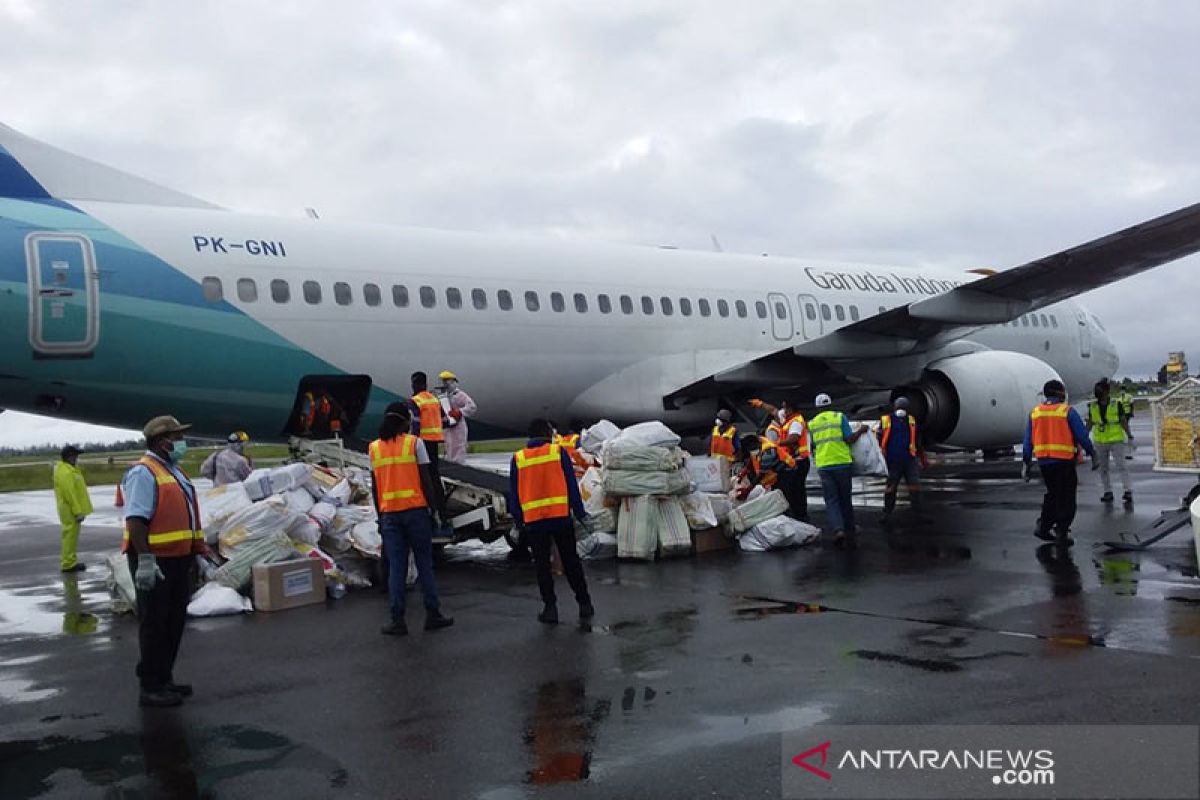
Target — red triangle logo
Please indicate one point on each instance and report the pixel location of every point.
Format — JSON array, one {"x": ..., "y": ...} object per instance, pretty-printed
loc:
[{"x": 801, "y": 760}]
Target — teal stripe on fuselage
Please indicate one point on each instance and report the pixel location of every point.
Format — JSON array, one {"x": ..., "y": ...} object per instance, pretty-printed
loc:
[{"x": 162, "y": 348}]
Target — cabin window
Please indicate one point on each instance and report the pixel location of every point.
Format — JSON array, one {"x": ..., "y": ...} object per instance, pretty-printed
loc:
[
  {"x": 479, "y": 299},
  {"x": 581, "y": 304},
  {"x": 1045, "y": 321},
  {"x": 428, "y": 297},
  {"x": 213, "y": 292},
  {"x": 532, "y": 302},
  {"x": 504, "y": 300},
  {"x": 760, "y": 308},
  {"x": 840, "y": 312},
  {"x": 723, "y": 308},
  {"x": 400, "y": 296},
  {"x": 247, "y": 290},
  {"x": 668, "y": 308},
  {"x": 740, "y": 305},
  {"x": 1053, "y": 321},
  {"x": 685, "y": 306},
  {"x": 280, "y": 291},
  {"x": 826, "y": 314},
  {"x": 454, "y": 298},
  {"x": 810, "y": 311},
  {"x": 647, "y": 305},
  {"x": 312, "y": 292},
  {"x": 557, "y": 302},
  {"x": 705, "y": 307},
  {"x": 604, "y": 304},
  {"x": 1024, "y": 322},
  {"x": 341, "y": 293},
  {"x": 626, "y": 304},
  {"x": 371, "y": 294},
  {"x": 854, "y": 313},
  {"x": 1033, "y": 319},
  {"x": 780, "y": 310}
]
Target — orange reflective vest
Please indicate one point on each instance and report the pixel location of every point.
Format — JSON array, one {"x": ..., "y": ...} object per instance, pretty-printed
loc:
[
  {"x": 722, "y": 442},
  {"x": 171, "y": 528},
  {"x": 885, "y": 425},
  {"x": 1051, "y": 434},
  {"x": 784, "y": 454},
  {"x": 541, "y": 484},
  {"x": 571, "y": 445},
  {"x": 430, "y": 409},
  {"x": 571, "y": 440},
  {"x": 397, "y": 475},
  {"x": 800, "y": 448}
]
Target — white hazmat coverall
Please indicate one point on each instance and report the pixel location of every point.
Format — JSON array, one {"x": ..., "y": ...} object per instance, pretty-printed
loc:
[{"x": 456, "y": 436}]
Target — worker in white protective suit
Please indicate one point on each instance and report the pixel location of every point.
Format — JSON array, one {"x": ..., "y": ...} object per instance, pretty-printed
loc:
[{"x": 458, "y": 405}]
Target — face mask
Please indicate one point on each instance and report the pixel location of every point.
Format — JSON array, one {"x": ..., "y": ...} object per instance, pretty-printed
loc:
[
  {"x": 178, "y": 451},
  {"x": 782, "y": 415},
  {"x": 719, "y": 422},
  {"x": 450, "y": 387},
  {"x": 901, "y": 413}
]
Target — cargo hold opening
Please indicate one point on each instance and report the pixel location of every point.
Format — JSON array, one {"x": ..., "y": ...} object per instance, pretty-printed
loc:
[{"x": 328, "y": 406}]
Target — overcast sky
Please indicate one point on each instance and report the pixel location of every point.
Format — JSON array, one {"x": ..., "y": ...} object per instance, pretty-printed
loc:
[{"x": 941, "y": 133}]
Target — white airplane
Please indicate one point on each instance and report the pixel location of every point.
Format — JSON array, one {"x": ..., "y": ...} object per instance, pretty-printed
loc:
[{"x": 121, "y": 300}]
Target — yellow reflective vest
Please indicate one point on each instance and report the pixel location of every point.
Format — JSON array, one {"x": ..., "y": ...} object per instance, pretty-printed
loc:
[{"x": 830, "y": 448}]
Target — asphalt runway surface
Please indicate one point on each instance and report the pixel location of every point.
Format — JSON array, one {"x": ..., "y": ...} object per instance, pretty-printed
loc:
[{"x": 681, "y": 687}]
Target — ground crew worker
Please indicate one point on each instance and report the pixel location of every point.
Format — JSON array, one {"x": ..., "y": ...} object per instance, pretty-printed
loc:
[
  {"x": 308, "y": 413},
  {"x": 901, "y": 447},
  {"x": 788, "y": 430},
  {"x": 71, "y": 497},
  {"x": 402, "y": 482},
  {"x": 580, "y": 461},
  {"x": 542, "y": 496},
  {"x": 723, "y": 441},
  {"x": 1053, "y": 436},
  {"x": 830, "y": 438},
  {"x": 1108, "y": 426},
  {"x": 431, "y": 431},
  {"x": 461, "y": 407},
  {"x": 229, "y": 464},
  {"x": 162, "y": 534}
]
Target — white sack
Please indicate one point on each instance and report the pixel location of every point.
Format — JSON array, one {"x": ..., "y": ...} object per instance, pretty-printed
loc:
[
  {"x": 597, "y": 546},
  {"x": 767, "y": 506},
  {"x": 592, "y": 439},
  {"x": 365, "y": 538},
  {"x": 710, "y": 474},
  {"x": 120, "y": 585},
  {"x": 290, "y": 476},
  {"x": 674, "y": 538},
  {"x": 253, "y": 522},
  {"x": 298, "y": 501},
  {"x": 339, "y": 495},
  {"x": 258, "y": 484},
  {"x": 758, "y": 491},
  {"x": 868, "y": 458},
  {"x": 322, "y": 514},
  {"x": 218, "y": 504},
  {"x": 636, "y": 533},
  {"x": 604, "y": 520},
  {"x": 777, "y": 533},
  {"x": 649, "y": 434},
  {"x": 304, "y": 530},
  {"x": 235, "y": 573},
  {"x": 622, "y": 483},
  {"x": 214, "y": 600},
  {"x": 721, "y": 506},
  {"x": 591, "y": 489},
  {"x": 699, "y": 511},
  {"x": 639, "y": 458}
]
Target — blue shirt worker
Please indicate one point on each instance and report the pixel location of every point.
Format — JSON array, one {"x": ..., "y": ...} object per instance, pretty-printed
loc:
[
  {"x": 901, "y": 446},
  {"x": 830, "y": 437},
  {"x": 162, "y": 536},
  {"x": 542, "y": 496},
  {"x": 1054, "y": 435}
]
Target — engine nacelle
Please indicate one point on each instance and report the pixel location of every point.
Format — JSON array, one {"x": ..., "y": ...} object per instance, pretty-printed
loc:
[{"x": 978, "y": 400}]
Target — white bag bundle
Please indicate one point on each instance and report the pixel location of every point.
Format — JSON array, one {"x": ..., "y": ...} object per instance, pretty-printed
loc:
[
  {"x": 218, "y": 504},
  {"x": 767, "y": 506},
  {"x": 623, "y": 483},
  {"x": 592, "y": 439},
  {"x": 214, "y": 600},
  {"x": 258, "y": 484},
  {"x": 365, "y": 538},
  {"x": 639, "y": 458},
  {"x": 868, "y": 458},
  {"x": 298, "y": 501},
  {"x": 253, "y": 522},
  {"x": 304, "y": 530},
  {"x": 721, "y": 504},
  {"x": 604, "y": 520},
  {"x": 322, "y": 514},
  {"x": 339, "y": 495},
  {"x": 777, "y": 533},
  {"x": 636, "y": 533},
  {"x": 597, "y": 546},
  {"x": 710, "y": 474},
  {"x": 591, "y": 490},
  {"x": 290, "y": 476},
  {"x": 648, "y": 434},
  {"x": 120, "y": 585},
  {"x": 674, "y": 538},
  {"x": 235, "y": 573},
  {"x": 699, "y": 511}
]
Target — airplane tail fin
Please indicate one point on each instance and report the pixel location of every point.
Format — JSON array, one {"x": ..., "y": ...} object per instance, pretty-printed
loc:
[{"x": 33, "y": 170}]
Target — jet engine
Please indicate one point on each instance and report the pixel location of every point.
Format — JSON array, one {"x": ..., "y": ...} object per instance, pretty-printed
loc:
[{"x": 977, "y": 400}]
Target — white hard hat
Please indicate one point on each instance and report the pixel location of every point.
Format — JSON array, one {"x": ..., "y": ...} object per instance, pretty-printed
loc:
[{"x": 824, "y": 400}]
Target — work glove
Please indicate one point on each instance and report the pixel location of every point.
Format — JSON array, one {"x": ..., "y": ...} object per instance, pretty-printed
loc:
[
  {"x": 456, "y": 413},
  {"x": 755, "y": 402},
  {"x": 1025, "y": 471},
  {"x": 147, "y": 573}
]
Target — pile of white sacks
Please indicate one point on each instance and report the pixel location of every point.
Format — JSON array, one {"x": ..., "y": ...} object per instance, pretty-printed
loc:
[{"x": 648, "y": 495}]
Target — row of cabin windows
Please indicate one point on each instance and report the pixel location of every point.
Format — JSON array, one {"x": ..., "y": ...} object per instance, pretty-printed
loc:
[
  {"x": 312, "y": 292},
  {"x": 1034, "y": 320}
]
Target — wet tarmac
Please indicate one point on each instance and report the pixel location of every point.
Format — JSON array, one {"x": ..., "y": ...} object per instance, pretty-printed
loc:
[{"x": 680, "y": 688}]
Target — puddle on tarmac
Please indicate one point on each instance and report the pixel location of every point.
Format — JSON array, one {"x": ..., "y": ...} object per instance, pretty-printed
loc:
[
  {"x": 165, "y": 758},
  {"x": 926, "y": 664},
  {"x": 44, "y": 610},
  {"x": 561, "y": 732},
  {"x": 645, "y": 640}
]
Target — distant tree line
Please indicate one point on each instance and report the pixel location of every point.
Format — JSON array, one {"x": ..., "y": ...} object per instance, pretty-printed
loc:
[{"x": 87, "y": 447}]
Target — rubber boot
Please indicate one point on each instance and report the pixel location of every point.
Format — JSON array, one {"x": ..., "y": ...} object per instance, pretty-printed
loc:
[
  {"x": 397, "y": 627},
  {"x": 549, "y": 614},
  {"x": 1127, "y": 498},
  {"x": 889, "y": 505},
  {"x": 1106, "y": 498},
  {"x": 435, "y": 621}
]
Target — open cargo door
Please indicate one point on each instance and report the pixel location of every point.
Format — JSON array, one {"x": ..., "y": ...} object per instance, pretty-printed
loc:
[{"x": 328, "y": 406}]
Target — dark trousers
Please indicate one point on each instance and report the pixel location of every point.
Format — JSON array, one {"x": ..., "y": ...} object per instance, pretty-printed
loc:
[
  {"x": 792, "y": 484},
  {"x": 1058, "y": 506},
  {"x": 404, "y": 531},
  {"x": 162, "y": 613},
  {"x": 837, "y": 486},
  {"x": 561, "y": 534},
  {"x": 434, "y": 459}
]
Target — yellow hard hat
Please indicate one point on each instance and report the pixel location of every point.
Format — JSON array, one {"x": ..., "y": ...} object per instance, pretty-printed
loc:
[{"x": 447, "y": 375}]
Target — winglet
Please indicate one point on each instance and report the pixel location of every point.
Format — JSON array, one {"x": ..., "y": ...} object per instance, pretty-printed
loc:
[{"x": 33, "y": 170}]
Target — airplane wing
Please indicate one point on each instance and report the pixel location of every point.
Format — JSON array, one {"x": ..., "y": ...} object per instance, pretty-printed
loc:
[{"x": 936, "y": 321}]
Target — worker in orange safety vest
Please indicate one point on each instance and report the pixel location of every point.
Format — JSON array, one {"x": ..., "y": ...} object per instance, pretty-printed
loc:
[
  {"x": 1055, "y": 435},
  {"x": 723, "y": 441},
  {"x": 431, "y": 427},
  {"x": 901, "y": 446}
]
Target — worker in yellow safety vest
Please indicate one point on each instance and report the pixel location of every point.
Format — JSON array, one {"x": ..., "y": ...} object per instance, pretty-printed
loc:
[
  {"x": 542, "y": 497},
  {"x": 1054, "y": 436},
  {"x": 162, "y": 537},
  {"x": 1108, "y": 425},
  {"x": 431, "y": 429},
  {"x": 723, "y": 441},
  {"x": 830, "y": 438},
  {"x": 402, "y": 483},
  {"x": 71, "y": 498}
]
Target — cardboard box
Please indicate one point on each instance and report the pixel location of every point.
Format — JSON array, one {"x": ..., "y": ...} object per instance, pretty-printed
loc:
[
  {"x": 711, "y": 539},
  {"x": 288, "y": 584}
]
